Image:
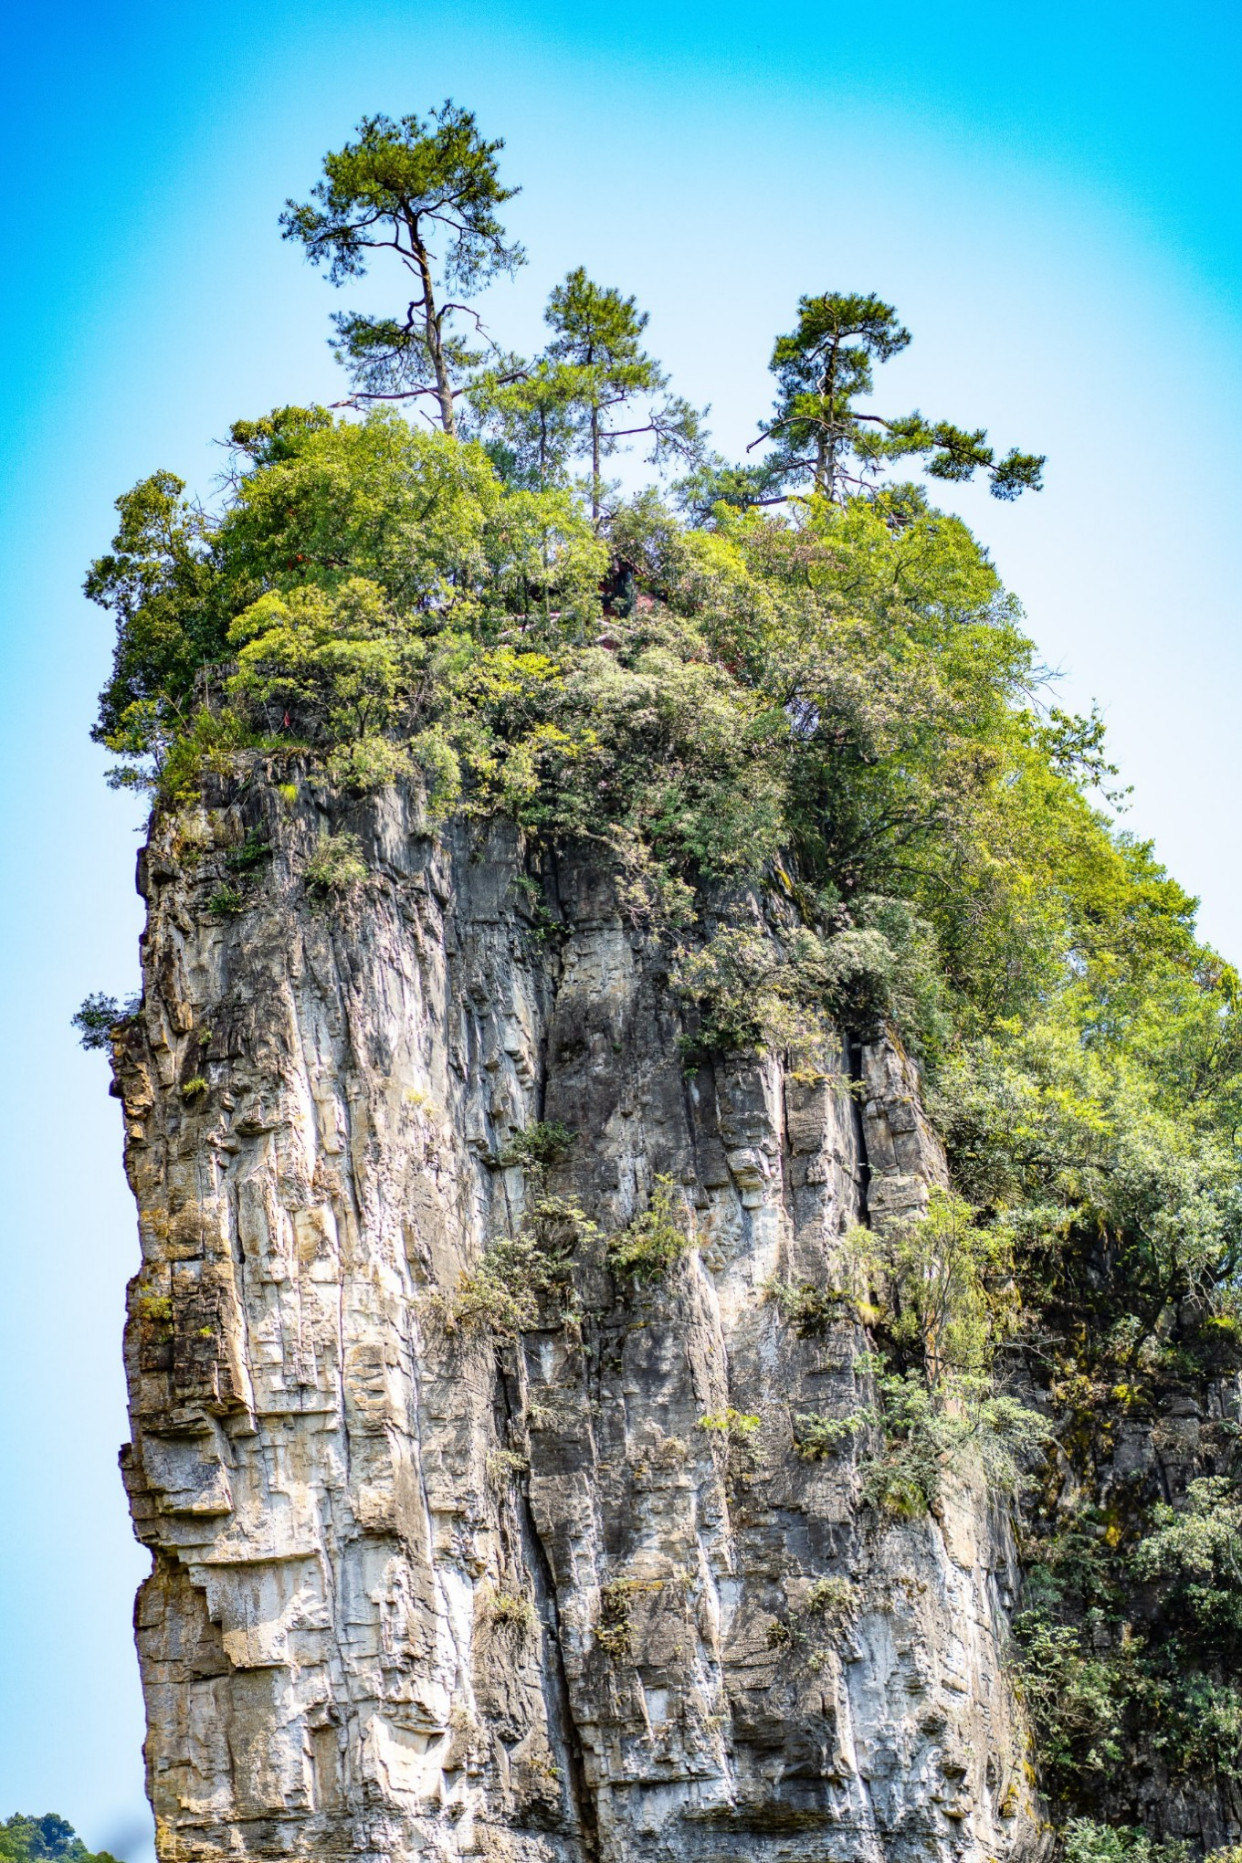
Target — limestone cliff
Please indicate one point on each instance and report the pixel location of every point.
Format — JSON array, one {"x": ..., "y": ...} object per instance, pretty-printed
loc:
[{"x": 417, "y": 1591}]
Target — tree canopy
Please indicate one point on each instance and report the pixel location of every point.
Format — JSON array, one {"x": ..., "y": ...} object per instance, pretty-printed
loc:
[
  {"x": 819, "y": 436},
  {"x": 428, "y": 191},
  {"x": 819, "y": 433},
  {"x": 49, "y": 1839}
]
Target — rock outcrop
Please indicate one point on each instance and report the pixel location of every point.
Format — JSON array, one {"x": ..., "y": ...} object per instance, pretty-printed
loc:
[{"x": 417, "y": 1591}]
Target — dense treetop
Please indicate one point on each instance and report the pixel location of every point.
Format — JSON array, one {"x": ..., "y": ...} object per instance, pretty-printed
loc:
[
  {"x": 790, "y": 681},
  {"x": 48, "y": 1839}
]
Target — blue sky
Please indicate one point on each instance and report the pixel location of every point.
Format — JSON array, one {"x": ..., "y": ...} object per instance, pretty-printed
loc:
[{"x": 1050, "y": 194}]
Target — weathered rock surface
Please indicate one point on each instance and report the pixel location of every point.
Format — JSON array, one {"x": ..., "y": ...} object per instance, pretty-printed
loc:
[{"x": 417, "y": 1594}]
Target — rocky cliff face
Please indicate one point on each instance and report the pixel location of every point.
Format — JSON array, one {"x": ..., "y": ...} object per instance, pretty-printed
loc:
[{"x": 417, "y": 1591}]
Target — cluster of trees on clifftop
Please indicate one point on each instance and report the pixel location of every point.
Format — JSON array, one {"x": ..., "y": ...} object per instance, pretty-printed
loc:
[
  {"x": 49, "y": 1839},
  {"x": 794, "y": 680}
]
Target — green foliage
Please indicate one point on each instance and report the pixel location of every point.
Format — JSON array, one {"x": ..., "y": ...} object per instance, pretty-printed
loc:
[
  {"x": 99, "y": 1015},
  {"x": 335, "y": 869},
  {"x": 1192, "y": 1557},
  {"x": 537, "y": 1146},
  {"x": 1133, "y": 1639},
  {"x": 736, "y": 1436},
  {"x": 404, "y": 187},
  {"x": 208, "y": 744},
  {"x": 810, "y": 1310},
  {"x": 817, "y": 1437},
  {"x": 249, "y": 854},
  {"x": 422, "y": 518},
  {"x": 160, "y": 583},
  {"x": 521, "y": 1277},
  {"x": 569, "y": 402},
  {"x": 513, "y": 1611},
  {"x": 612, "y": 1627},
  {"x": 501, "y": 1295},
  {"x": 938, "y": 1290},
  {"x": 943, "y": 1287},
  {"x": 734, "y": 1426},
  {"x": 835, "y": 1600},
  {"x": 370, "y": 763},
  {"x": 329, "y": 664},
  {"x": 49, "y": 1839},
  {"x": 1088, "y": 1842},
  {"x": 1074, "y": 1695},
  {"x": 822, "y": 367},
  {"x": 647, "y": 1248},
  {"x": 959, "y": 1426},
  {"x": 226, "y": 902}
]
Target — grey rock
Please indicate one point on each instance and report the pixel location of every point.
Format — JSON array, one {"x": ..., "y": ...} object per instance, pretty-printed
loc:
[{"x": 417, "y": 1593}]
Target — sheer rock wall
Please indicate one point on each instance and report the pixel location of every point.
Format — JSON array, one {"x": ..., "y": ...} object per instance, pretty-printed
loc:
[{"x": 414, "y": 1594}]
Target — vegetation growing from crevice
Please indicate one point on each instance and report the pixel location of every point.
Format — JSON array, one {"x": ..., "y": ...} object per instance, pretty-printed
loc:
[
  {"x": 539, "y": 1146},
  {"x": 525, "y": 1279},
  {"x": 335, "y": 870},
  {"x": 792, "y": 705},
  {"x": 647, "y": 1247}
]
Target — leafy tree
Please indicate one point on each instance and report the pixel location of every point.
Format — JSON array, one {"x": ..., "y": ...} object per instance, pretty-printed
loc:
[
  {"x": 569, "y": 401},
  {"x": 819, "y": 434},
  {"x": 274, "y": 437},
  {"x": 99, "y": 1015},
  {"x": 25, "y": 1839},
  {"x": 421, "y": 514},
  {"x": 530, "y": 415},
  {"x": 323, "y": 664},
  {"x": 160, "y": 583},
  {"x": 715, "y": 481},
  {"x": 409, "y": 187}
]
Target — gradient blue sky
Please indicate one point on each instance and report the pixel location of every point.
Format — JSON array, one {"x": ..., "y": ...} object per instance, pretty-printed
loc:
[{"x": 1049, "y": 193}]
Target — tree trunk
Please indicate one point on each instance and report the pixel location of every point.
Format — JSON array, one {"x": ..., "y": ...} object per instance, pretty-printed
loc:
[{"x": 435, "y": 347}]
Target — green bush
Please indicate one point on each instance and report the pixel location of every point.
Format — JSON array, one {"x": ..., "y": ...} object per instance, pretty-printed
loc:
[
  {"x": 833, "y": 1599},
  {"x": 335, "y": 869},
  {"x": 809, "y": 1309},
  {"x": 249, "y": 854},
  {"x": 539, "y": 1145},
  {"x": 648, "y": 1247},
  {"x": 520, "y": 1276},
  {"x": 736, "y": 1433},
  {"x": 1087, "y": 1842},
  {"x": 226, "y": 902},
  {"x": 370, "y": 763},
  {"x": 512, "y": 1611},
  {"x": 816, "y": 1437}
]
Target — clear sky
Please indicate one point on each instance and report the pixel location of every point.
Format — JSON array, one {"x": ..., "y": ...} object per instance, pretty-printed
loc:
[{"x": 1050, "y": 195}]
